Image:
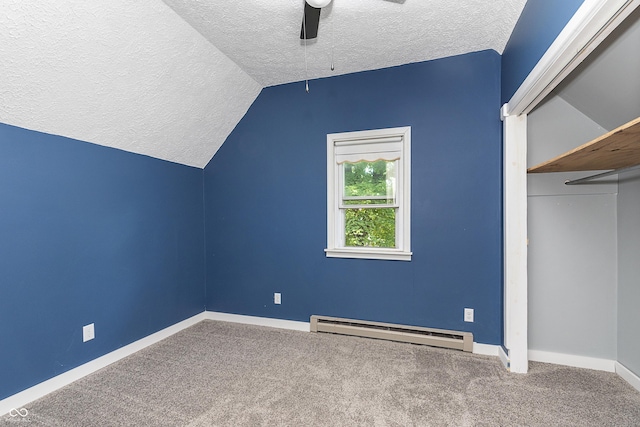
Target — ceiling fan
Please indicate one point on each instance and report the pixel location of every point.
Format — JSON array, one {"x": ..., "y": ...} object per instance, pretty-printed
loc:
[{"x": 311, "y": 18}]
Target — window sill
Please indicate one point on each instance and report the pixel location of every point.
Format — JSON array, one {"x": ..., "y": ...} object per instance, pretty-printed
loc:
[{"x": 362, "y": 253}]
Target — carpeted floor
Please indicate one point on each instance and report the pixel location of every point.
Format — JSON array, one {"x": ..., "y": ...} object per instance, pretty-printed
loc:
[{"x": 225, "y": 374}]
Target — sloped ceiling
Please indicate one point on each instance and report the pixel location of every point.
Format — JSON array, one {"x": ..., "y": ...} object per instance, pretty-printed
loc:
[
  {"x": 172, "y": 79},
  {"x": 262, "y": 36},
  {"x": 606, "y": 86},
  {"x": 125, "y": 74}
]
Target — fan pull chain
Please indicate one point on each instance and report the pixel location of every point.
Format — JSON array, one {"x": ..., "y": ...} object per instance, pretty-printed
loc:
[
  {"x": 306, "y": 67},
  {"x": 333, "y": 42}
]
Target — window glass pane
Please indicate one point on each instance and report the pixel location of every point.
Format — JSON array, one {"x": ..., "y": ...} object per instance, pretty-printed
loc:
[
  {"x": 374, "y": 227},
  {"x": 369, "y": 182}
]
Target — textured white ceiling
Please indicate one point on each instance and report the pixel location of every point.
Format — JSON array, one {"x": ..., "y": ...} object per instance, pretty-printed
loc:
[
  {"x": 125, "y": 74},
  {"x": 138, "y": 76},
  {"x": 262, "y": 36}
]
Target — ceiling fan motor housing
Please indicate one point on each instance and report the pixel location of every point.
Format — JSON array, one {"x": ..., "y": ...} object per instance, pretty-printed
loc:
[{"x": 318, "y": 3}]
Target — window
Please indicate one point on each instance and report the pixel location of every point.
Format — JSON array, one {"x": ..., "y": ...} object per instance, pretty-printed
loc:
[{"x": 368, "y": 194}]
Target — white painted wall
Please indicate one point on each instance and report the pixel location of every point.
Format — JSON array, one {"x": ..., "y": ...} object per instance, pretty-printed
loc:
[
  {"x": 629, "y": 271},
  {"x": 127, "y": 74},
  {"x": 572, "y": 243}
]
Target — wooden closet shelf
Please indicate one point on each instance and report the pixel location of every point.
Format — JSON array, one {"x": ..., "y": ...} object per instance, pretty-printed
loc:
[{"x": 617, "y": 149}]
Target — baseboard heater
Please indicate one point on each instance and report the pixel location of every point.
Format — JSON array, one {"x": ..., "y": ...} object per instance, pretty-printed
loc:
[{"x": 388, "y": 331}]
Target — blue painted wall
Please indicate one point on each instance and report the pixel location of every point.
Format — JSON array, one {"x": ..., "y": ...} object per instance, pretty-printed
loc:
[
  {"x": 90, "y": 234},
  {"x": 540, "y": 23},
  {"x": 265, "y": 200}
]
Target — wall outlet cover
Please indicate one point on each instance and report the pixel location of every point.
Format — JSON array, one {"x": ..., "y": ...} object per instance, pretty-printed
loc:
[
  {"x": 88, "y": 332},
  {"x": 277, "y": 298},
  {"x": 468, "y": 314}
]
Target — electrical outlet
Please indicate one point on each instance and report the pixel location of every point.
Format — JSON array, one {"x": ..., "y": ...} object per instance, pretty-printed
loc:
[
  {"x": 277, "y": 299},
  {"x": 468, "y": 314},
  {"x": 88, "y": 333}
]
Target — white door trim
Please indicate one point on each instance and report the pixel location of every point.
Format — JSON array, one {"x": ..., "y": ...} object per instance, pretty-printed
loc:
[
  {"x": 590, "y": 25},
  {"x": 515, "y": 242}
]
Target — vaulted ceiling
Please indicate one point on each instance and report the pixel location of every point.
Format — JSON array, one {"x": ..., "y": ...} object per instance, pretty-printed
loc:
[
  {"x": 606, "y": 86},
  {"x": 172, "y": 79}
]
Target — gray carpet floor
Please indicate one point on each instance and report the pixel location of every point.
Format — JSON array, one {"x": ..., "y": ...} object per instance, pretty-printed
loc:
[{"x": 224, "y": 374}]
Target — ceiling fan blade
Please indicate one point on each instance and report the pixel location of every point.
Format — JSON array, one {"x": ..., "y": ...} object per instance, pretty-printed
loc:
[{"x": 312, "y": 19}]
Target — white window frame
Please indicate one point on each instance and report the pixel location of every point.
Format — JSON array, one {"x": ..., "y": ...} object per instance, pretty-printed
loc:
[{"x": 335, "y": 228}]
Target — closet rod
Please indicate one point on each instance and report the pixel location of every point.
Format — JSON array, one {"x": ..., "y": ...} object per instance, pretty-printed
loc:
[{"x": 601, "y": 175}]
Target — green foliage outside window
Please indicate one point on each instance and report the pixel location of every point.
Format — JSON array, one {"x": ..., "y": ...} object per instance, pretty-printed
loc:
[
  {"x": 370, "y": 183},
  {"x": 374, "y": 227}
]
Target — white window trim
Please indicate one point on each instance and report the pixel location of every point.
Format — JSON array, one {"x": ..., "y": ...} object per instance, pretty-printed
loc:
[{"x": 403, "y": 220}]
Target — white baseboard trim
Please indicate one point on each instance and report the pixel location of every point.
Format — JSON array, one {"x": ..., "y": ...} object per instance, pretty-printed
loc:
[
  {"x": 628, "y": 376},
  {"x": 258, "y": 321},
  {"x": 504, "y": 358},
  {"x": 21, "y": 399},
  {"x": 485, "y": 349},
  {"x": 573, "y": 360}
]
